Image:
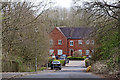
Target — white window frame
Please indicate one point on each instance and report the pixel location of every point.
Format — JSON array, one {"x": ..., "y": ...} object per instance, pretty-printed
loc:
[
  {"x": 87, "y": 42},
  {"x": 60, "y": 51},
  {"x": 80, "y": 51},
  {"x": 87, "y": 52},
  {"x": 93, "y": 42},
  {"x": 59, "y": 42},
  {"x": 79, "y": 41},
  {"x": 72, "y": 42},
  {"x": 51, "y": 51},
  {"x": 51, "y": 42}
]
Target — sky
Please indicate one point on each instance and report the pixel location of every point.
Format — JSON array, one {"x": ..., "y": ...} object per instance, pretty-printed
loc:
[
  {"x": 61, "y": 3},
  {"x": 64, "y": 3},
  {"x": 58, "y": 3},
  {"x": 68, "y": 3}
]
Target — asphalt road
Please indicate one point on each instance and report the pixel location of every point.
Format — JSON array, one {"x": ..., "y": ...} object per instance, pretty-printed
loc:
[{"x": 75, "y": 69}]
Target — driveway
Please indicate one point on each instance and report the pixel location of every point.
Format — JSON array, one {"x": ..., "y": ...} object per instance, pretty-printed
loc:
[
  {"x": 75, "y": 69},
  {"x": 75, "y": 65}
]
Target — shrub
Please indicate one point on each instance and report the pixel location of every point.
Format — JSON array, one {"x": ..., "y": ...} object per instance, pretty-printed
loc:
[
  {"x": 100, "y": 67},
  {"x": 62, "y": 62},
  {"x": 50, "y": 61},
  {"x": 87, "y": 63},
  {"x": 77, "y": 54},
  {"x": 42, "y": 68},
  {"x": 84, "y": 57},
  {"x": 75, "y": 58},
  {"x": 88, "y": 69},
  {"x": 69, "y": 56}
]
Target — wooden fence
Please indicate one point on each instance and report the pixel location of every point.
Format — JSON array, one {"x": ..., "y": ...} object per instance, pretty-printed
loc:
[
  {"x": 10, "y": 66},
  {"x": 13, "y": 66}
]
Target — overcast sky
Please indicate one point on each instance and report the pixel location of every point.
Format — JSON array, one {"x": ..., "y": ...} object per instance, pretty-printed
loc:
[
  {"x": 68, "y": 3},
  {"x": 62, "y": 3}
]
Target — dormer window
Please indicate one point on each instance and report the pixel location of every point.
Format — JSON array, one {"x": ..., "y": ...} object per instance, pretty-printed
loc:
[
  {"x": 87, "y": 42},
  {"x": 71, "y": 43},
  {"x": 59, "y": 42},
  {"x": 79, "y": 41}
]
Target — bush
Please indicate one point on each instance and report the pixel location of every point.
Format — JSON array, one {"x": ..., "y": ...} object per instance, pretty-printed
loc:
[
  {"x": 75, "y": 58},
  {"x": 84, "y": 57},
  {"x": 100, "y": 67},
  {"x": 87, "y": 63},
  {"x": 77, "y": 54},
  {"x": 49, "y": 63},
  {"x": 88, "y": 69},
  {"x": 69, "y": 56},
  {"x": 42, "y": 68},
  {"x": 62, "y": 62}
]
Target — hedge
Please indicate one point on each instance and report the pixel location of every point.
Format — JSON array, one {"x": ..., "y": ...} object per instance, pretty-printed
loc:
[
  {"x": 62, "y": 62},
  {"x": 76, "y": 58},
  {"x": 84, "y": 57},
  {"x": 87, "y": 63}
]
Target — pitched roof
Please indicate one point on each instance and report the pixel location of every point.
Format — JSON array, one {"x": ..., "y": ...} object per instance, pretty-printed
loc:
[{"x": 75, "y": 32}]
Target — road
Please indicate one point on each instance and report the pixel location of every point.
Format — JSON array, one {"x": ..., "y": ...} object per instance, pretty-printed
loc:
[{"x": 75, "y": 69}]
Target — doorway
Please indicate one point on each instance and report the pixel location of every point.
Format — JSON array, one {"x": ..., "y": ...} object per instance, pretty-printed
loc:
[{"x": 71, "y": 52}]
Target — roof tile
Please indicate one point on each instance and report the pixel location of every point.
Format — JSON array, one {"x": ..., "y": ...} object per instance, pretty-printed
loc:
[{"x": 75, "y": 32}]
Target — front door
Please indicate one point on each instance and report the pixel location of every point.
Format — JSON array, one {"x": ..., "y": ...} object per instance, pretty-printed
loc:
[{"x": 71, "y": 52}]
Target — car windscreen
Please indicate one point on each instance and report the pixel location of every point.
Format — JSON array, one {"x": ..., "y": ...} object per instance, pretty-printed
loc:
[
  {"x": 62, "y": 58},
  {"x": 64, "y": 55}
]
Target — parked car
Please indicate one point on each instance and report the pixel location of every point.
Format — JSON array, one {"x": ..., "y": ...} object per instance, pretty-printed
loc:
[
  {"x": 64, "y": 57},
  {"x": 56, "y": 64}
]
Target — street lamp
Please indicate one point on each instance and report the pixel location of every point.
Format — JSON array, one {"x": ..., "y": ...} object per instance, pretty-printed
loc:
[{"x": 36, "y": 30}]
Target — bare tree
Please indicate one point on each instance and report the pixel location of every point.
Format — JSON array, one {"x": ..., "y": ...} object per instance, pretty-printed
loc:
[{"x": 20, "y": 41}]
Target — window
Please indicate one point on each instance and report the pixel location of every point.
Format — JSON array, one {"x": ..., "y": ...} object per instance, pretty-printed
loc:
[
  {"x": 92, "y": 41},
  {"x": 87, "y": 42},
  {"x": 79, "y": 41},
  {"x": 60, "y": 42},
  {"x": 71, "y": 43},
  {"x": 87, "y": 52},
  {"x": 51, "y": 51},
  {"x": 51, "y": 42},
  {"x": 59, "y": 52},
  {"x": 80, "y": 52},
  {"x": 92, "y": 51}
]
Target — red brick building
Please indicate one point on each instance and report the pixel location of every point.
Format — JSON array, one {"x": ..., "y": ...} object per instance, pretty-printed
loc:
[{"x": 67, "y": 40}]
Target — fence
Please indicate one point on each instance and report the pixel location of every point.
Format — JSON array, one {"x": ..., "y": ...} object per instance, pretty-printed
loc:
[
  {"x": 10, "y": 66},
  {"x": 13, "y": 66}
]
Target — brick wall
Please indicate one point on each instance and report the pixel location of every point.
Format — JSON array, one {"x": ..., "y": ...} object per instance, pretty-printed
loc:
[
  {"x": 77, "y": 46},
  {"x": 56, "y": 35}
]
